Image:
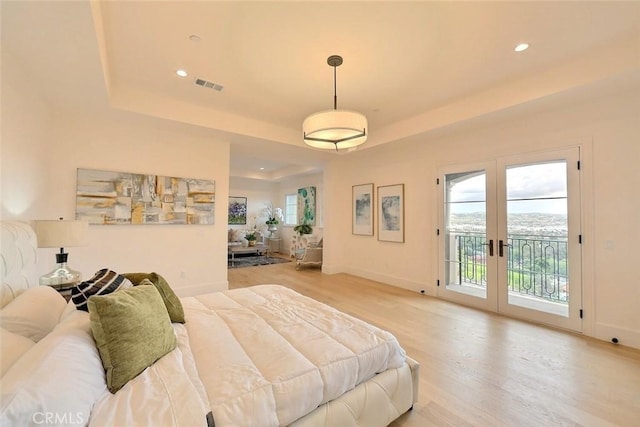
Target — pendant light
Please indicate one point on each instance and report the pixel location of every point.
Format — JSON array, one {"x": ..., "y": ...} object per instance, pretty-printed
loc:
[{"x": 335, "y": 129}]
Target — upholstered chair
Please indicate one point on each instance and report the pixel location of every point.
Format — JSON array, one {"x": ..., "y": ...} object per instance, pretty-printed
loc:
[
  {"x": 310, "y": 255},
  {"x": 299, "y": 243}
]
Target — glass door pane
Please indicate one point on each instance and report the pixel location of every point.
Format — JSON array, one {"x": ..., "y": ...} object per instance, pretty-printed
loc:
[
  {"x": 537, "y": 237},
  {"x": 465, "y": 233}
]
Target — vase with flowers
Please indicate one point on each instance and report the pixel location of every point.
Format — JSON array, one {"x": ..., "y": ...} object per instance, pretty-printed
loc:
[
  {"x": 273, "y": 217},
  {"x": 251, "y": 237},
  {"x": 251, "y": 233}
]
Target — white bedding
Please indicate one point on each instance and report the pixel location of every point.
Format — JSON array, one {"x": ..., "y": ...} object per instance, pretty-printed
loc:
[
  {"x": 168, "y": 393},
  {"x": 264, "y": 355},
  {"x": 270, "y": 354}
]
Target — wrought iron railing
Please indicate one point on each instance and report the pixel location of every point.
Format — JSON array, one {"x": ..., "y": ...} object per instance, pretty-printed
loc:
[{"x": 535, "y": 266}]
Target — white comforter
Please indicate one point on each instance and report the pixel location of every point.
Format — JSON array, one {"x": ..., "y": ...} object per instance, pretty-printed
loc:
[{"x": 264, "y": 355}]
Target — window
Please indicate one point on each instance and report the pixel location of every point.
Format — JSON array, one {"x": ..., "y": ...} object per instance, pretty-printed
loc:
[{"x": 291, "y": 209}]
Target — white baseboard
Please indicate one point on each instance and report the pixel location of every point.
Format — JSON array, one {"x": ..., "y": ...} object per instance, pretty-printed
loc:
[
  {"x": 383, "y": 278},
  {"x": 625, "y": 336}
]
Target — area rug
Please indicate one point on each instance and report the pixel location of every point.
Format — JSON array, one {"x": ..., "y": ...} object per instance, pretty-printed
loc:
[{"x": 253, "y": 261}]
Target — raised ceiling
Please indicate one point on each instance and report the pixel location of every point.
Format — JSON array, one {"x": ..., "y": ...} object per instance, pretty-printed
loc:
[{"x": 410, "y": 67}]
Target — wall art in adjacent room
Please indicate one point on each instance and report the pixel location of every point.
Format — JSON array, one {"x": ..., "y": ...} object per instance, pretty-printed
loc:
[
  {"x": 237, "y": 210},
  {"x": 307, "y": 205}
]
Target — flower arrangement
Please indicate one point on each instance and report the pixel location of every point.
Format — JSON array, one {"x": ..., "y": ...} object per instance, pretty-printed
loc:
[
  {"x": 273, "y": 215},
  {"x": 251, "y": 232}
]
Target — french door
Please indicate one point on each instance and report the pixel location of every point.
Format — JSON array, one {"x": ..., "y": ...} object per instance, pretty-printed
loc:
[{"x": 509, "y": 236}]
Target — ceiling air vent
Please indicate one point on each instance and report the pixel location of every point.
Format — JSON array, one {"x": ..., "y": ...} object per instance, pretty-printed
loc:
[{"x": 208, "y": 84}]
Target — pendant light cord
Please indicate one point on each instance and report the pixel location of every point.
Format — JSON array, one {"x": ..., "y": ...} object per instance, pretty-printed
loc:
[{"x": 335, "y": 90}]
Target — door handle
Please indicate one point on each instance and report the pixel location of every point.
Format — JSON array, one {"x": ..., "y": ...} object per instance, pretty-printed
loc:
[
  {"x": 490, "y": 244},
  {"x": 502, "y": 246}
]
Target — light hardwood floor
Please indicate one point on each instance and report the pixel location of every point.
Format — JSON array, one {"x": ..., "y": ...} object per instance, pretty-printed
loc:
[{"x": 479, "y": 368}]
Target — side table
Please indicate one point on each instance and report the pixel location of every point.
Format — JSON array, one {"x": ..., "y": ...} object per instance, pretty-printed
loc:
[{"x": 275, "y": 244}]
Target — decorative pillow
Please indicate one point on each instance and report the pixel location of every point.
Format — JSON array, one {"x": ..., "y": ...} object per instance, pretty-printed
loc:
[
  {"x": 234, "y": 235},
  {"x": 132, "y": 330},
  {"x": 13, "y": 346},
  {"x": 171, "y": 300},
  {"x": 62, "y": 375},
  {"x": 104, "y": 282},
  {"x": 34, "y": 313}
]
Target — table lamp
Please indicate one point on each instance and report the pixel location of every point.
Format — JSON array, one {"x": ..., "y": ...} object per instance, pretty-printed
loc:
[{"x": 61, "y": 234}]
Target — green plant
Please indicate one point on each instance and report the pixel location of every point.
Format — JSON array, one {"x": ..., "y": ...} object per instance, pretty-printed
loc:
[
  {"x": 250, "y": 236},
  {"x": 303, "y": 229}
]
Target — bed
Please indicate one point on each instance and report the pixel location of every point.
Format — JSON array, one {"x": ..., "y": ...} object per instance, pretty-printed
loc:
[{"x": 259, "y": 356}]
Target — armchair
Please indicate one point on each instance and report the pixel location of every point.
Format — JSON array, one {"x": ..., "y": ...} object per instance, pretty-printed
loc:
[
  {"x": 310, "y": 255},
  {"x": 299, "y": 242}
]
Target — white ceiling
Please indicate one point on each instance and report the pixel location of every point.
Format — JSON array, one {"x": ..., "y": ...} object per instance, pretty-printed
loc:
[{"x": 410, "y": 67}]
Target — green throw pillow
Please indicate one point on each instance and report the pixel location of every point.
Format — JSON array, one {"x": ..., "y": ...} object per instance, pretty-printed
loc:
[
  {"x": 132, "y": 330},
  {"x": 171, "y": 300}
]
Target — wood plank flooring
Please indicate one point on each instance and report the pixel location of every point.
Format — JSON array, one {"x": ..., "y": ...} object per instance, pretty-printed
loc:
[{"x": 479, "y": 368}]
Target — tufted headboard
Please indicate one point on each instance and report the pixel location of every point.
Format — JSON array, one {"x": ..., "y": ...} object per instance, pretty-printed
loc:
[{"x": 18, "y": 259}]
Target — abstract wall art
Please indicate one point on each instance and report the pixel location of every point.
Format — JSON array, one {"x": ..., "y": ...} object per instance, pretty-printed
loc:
[
  {"x": 307, "y": 205},
  {"x": 109, "y": 198},
  {"x": 391, "y": 213},
  {"x": 362, "y": 209}
]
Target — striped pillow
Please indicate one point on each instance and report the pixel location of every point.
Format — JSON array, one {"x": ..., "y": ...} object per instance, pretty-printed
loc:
[{"x": 104, "y": 282}]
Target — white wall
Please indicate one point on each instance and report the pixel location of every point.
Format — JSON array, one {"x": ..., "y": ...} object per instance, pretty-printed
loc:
[
  {"x": 26, "y": 123},
  {"x": 42, "y": 148},
  {"x": 607, "y": 128}
]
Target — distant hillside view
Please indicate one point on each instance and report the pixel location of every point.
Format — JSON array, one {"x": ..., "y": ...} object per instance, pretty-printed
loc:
[{"x": 520, "y": 224}]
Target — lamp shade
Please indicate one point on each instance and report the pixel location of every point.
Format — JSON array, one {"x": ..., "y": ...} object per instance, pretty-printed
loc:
[
  {"x": 61, "y": 234},
  {"x": 335, "y": 129}
]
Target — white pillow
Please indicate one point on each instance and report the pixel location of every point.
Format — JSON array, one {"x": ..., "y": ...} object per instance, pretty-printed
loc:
[
  {"x": 34, "y": 313},
  {"x": 68, "y": 309},
  {"x": 12, "y": 347},
  {"x": 60, "y": 375}
]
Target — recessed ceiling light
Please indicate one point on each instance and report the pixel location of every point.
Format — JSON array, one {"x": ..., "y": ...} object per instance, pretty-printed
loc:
[
  {"x": 194, "y": 38},
  {"x": 521, "y": 47},
  {"x": 182, "y": 73},
  {"x": 261, "y": 169}
]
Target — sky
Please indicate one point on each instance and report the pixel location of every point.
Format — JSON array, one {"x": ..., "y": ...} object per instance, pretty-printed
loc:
[{"x": 545, "y": 183}]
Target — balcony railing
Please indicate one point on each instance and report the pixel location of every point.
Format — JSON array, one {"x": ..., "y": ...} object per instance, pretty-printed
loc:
[{"x": 535, "y": 266}]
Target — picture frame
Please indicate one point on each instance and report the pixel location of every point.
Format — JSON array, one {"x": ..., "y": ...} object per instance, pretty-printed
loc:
[
  {"x": 237, "y": 210},
  {"x": 391, "y": 213},
  {"x": 362, "y": 210}
]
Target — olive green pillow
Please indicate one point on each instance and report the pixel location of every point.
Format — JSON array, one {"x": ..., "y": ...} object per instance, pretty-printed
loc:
[
  {"x": 132, "y": 330},
  {"x": 171, "y": 300}
]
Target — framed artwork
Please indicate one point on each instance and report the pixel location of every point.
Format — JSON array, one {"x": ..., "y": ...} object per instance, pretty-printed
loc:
[
  {"x": 237, "y": 210},
  {"x": 391, "y": 213},
  {"x": 362, "y": 209},
  {"x": 117, "y": 198},
  {"x": 307, "y": 205}
]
